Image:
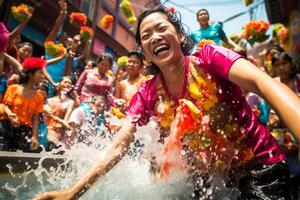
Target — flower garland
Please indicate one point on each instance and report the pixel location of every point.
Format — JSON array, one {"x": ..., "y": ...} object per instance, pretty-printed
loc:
[
  {"x": 22, "y": 12},
  {"x": 127, "y": 10},
  {"x": 203, "y": 42},
  {"x": 106, "y": 21},
  {"x": 78, "y": 19},
  {"x": 55, "y": 50},
  {"x": 86, "y": 32},
  {"x": 255, "y": 31},
  {"x": 122, "y": 61}
]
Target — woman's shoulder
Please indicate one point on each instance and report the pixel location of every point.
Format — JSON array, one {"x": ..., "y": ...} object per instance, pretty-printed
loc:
[{"x": 14, "y": 87}]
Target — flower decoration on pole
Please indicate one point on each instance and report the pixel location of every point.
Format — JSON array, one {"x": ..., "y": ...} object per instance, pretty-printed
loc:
[
  {"x": 22, "y": 12},
  {"x": 106, "y": 21},
  {"x": 86, "y": 32},
  {"x": 55, "y": 50},
  {"x": 78, "y": 19},
  {"x": 127, "y": 10},
  {"x": 122, "y": 61},
  {"x": 203, "y": 42},
  {"x": 255, "y": 31},
  {"x": 280, "y": 33}
]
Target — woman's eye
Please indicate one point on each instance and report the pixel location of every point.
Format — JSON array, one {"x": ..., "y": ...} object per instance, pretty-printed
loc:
[
  {"x": 145, "y": 37},
  {"x": 163, "y": 28}
]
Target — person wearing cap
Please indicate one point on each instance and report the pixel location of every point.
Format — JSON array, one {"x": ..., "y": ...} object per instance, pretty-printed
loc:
[{"x": 23, "y": 105}]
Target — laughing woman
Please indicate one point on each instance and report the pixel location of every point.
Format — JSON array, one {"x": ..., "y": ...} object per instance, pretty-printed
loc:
[{"x": 204, "y": 101}]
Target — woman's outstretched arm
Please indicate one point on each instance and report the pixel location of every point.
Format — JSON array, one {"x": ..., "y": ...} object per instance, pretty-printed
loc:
[
  {"x": 115, "y": 153},
  {"x": 282, "y": 99}
]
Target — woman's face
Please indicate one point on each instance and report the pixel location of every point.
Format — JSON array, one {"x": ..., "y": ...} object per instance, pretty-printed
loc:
[
  {"x": 160, "y": 40},
  {"x": 89, "y": 65},
  {"x": 283, "y": 68},
  {"x": 103, "y": 66},
  {"x": 25, "y": 51},
  {"x": 65, "y": 84},
  {"x": 203, "y": 17},
  {"x": 133, "y": 65}
]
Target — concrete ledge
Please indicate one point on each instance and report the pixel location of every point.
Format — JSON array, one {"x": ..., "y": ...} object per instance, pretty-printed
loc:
[{"x": 23, "y": 161}]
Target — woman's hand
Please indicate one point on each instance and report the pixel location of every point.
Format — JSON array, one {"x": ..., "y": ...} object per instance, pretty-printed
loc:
[
  {"x": 55, "y": 195},
  {"x": 13, "y": 119},
  {"x": 34, "y": 143}
]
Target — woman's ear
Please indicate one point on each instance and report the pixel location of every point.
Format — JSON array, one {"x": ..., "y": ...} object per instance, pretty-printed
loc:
[{"x": 182, "y": 38}]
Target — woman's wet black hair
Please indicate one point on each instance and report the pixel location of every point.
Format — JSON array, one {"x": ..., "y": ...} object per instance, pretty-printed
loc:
[
  {"x": 175, "y": 19},
  {"x": 202, "y": 9},
  {"x": 285, "y": 56},
  {"x": 105, "y": 56}
]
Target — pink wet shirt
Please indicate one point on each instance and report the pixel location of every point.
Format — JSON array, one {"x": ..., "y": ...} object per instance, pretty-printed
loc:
[
  {"x": 90, "y": 85},
  {"x": 216, "y": 61}
]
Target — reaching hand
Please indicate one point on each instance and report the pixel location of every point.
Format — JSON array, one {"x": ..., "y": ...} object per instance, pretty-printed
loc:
[
  {"x": 13, "y": 119},
  {"x": 55, "y": 195},
  {"x": 63, "y": 6},
  {"x": 34, "y": 143}
]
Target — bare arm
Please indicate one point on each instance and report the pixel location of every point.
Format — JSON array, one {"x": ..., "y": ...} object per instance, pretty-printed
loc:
[
  {"x": 232, "y": 44},
  {"x": 69, "y": 111},
  {"x": 283, "y": 100},
  {"x": 84, "y": 53},
  {"x": 116, "y": 152},
  {"x": 53, "y": 60},
  {"x": 13, "y": 62},
  {"x": 118, "y": 89},
  {"x": 35, "y": 124},
  {"x": 59, "y": 21},
  {"x": 48, "y": 77}
]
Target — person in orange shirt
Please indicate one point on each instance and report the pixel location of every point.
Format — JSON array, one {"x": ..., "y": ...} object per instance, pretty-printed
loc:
[
  {"x": 125, "y": 89},
  {"x": 23, "y": 105}
]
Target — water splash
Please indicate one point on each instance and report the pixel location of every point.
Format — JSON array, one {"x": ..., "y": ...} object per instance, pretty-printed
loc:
[{"x": 133, "y": 178}]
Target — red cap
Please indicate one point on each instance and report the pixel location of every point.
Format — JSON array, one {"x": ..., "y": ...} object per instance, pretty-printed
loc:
[{"x": 34, "y": 63}]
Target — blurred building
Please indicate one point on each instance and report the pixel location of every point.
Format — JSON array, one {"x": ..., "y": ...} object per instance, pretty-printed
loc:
[{"x": 117, "y": 40}]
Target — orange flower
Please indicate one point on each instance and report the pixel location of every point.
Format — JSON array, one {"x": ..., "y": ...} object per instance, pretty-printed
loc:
[
  {"x": 203, "y": 42},
  {"x": 54, "y": 50},
  {"x": 255, "y": 31},
  {"x": 22, "y": 12},
  {"x": 86, "y": 32},
  {"x": 78, "y": 19},
  {"x": 106, "y": 21}
]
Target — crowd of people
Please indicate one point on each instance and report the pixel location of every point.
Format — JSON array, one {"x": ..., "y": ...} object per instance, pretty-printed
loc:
[{"x": 215, "y": 93}]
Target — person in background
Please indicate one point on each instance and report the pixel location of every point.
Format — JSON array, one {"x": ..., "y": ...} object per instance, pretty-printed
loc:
[
  {"x": 5, "y": 59},
  {"x": 68, "y": 63},
  {"x": 88, "y": 121},
  {"x": 24, "y": 104},
  {"x": 211, "y": 31},
  {"x": 58, "y": 110},
  {"x": 204, "y": 84},
  {"x": 90, "y": 64},
  {"x": 97, "y": 81},
  {"x": 287, "y": 72},
  {"x": 125, "y": 89}
]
